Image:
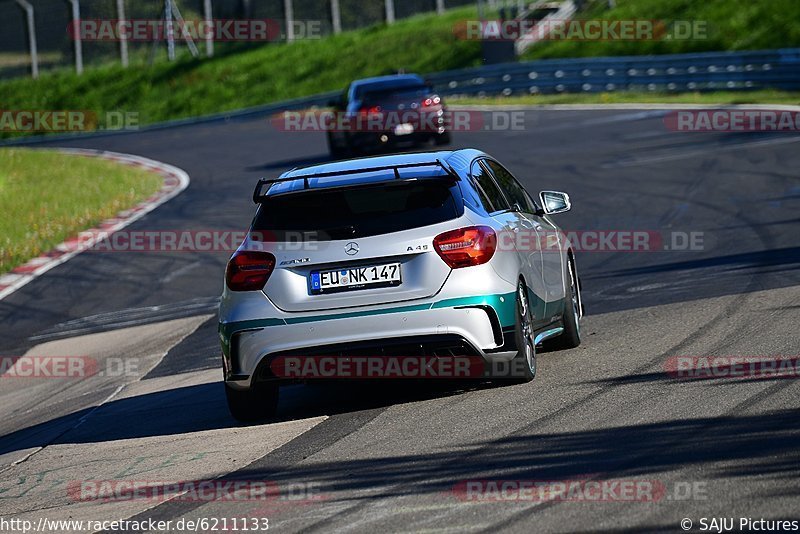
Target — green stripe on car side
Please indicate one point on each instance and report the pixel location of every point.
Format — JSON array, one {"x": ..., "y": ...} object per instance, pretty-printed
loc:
[{"x": 504, "y": 305}]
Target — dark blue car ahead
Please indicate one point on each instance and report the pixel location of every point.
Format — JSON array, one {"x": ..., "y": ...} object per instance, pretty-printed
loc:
[{"x": 376, "y": 114}]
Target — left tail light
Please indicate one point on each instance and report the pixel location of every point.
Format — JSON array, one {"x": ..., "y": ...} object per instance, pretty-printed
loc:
[
  {"x": 249, "y": 270},
  {"x": 372, "y": 110},
  {"x": 465, "y": 247}
]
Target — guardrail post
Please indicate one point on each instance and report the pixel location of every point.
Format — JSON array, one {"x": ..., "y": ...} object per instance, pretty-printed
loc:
[
  {"x": 336, "y": 16},
  {"x": 288, "y": 11},
  {"x": 389, "y": 11},
  {"x": 170, "y": 26},
  {"x": 123, "y": 39},
  {"x": 440, "y": 7},
  {"x": 28, "y": 8},
  {"x": 210, "y": 35},
  {"x": 76, "y": 35}
]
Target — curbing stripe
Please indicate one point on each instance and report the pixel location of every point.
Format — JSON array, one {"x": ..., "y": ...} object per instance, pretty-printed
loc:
[{"x": 175, "y": 180}]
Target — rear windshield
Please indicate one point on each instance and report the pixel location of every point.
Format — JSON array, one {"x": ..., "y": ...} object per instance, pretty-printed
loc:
[
  {"x": 334, "y": 214},
  {"x": 390, "y": 85},
  {"x": 395, "y": 93}
]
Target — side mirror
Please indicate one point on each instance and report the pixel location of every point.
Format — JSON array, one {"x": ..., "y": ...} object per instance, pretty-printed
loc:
[{"x": 555, "y": 202}]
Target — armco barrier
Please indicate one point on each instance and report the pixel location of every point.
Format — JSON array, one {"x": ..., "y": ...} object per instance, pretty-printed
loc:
[{"x": 712, "y": 71}]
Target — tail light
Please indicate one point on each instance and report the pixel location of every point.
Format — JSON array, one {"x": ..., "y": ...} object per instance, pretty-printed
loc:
[
  {"x": 465, "y": 247},
  {"x": 431, "y": 101},
  {"x": 374, "y": 110},
  {"x": 249, "y": 270}
]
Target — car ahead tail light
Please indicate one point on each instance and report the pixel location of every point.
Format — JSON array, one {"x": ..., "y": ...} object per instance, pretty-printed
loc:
[
  {"x": 465, "y": 247},
  {"x": 369, "y": 111},
  {"x": 431, "y": 101},
  {"x": 249, "y": 270}
]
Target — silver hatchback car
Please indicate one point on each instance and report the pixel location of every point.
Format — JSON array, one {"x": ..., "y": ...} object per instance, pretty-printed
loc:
[{"x": 436, "y": 255}]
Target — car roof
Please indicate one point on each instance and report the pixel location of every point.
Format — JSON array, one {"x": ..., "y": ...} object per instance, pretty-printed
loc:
[
  {"x": 369, "y": 163},
  {"x": 391, "y": 77},
  {"x": 346, "y": 173}
]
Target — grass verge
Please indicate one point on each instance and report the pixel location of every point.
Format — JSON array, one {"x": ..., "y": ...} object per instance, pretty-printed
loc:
[
  {"x": 720, "y": 24},
  {"x": 46, "y": 197}
]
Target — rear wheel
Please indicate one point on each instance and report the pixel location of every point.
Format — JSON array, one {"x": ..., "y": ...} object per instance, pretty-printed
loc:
[
  {"x": 256, "y": 403},
  {"x": 337, "y": 150},
  {"x": 571, "y": 337},
  {"x": 442, "y": 139},
  {"x": 523, "y": 366}
]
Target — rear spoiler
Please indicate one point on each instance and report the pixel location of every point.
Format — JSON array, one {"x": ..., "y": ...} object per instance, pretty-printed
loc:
[{"x": 264, "y": 184}]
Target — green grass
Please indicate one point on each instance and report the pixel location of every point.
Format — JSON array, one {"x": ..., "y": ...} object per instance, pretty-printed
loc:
[
  {"x": 712, "y": 98},
  {"x": 46, "y": 197},
  {"x": 253, "y": 76},
  {"x": 732, "y": 25}
]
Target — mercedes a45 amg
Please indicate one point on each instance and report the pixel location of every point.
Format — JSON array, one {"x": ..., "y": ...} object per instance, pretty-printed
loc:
[{"x": 438, "y": 254}]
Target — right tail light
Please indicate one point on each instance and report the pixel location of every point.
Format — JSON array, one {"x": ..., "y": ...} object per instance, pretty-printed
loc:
[{"x": 465, "y": 247}]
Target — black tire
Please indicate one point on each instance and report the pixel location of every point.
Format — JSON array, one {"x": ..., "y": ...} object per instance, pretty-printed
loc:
[
  {"x": 336, "y": 151},
  {"x": 442, "y": 139},
  {"x": 571, "y": 337},
  {"x": 523, "y": 366},
  {"x": 257, "y": 403}
]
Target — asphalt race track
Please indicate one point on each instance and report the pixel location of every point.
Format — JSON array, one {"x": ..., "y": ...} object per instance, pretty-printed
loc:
[{"x": 392, "y": 457}]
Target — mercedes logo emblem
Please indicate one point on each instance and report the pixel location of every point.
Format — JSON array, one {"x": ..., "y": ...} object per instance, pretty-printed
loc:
[{"x": 351, "y": 249}]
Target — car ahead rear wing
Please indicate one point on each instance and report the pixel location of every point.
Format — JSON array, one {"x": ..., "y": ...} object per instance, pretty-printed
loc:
[{"x": 407, "y": 172}]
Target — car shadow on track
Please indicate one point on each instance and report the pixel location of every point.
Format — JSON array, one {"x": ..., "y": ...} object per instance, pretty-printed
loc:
[
  {"x": 787, "y": 258},
  {"x": 711, "y": 371},
  {"x": 730, "y": 446},
  {"x": 202, "y": 407}
]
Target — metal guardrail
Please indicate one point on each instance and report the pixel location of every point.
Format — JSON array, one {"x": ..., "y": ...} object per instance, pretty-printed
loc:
[
  {"x": 712, "y": 71},
  {"x": 778, "y": 69}
]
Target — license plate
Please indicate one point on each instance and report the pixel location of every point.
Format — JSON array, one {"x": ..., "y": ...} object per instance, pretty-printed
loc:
[
  {"x": 404, "y": 129},
  {"x": 367, "y": 276}
]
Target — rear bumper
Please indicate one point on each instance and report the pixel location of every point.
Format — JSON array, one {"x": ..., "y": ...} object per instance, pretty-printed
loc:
[
  {"x": 476, "y": 324},
  {"x": 369, "y": 141}
]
